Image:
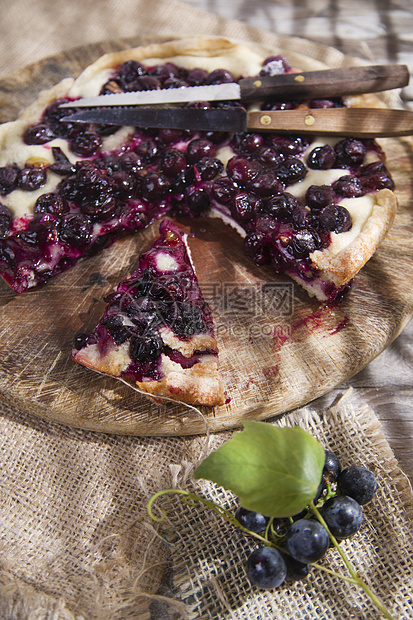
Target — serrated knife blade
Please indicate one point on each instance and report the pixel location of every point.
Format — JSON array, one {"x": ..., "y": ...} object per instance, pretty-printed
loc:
[
  {"x": 306, "y": 85},
  {"x": 356, "y": 122}
]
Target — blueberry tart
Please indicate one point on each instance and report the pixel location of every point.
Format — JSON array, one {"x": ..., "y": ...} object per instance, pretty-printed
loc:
[{"x": 315, "y": 209}]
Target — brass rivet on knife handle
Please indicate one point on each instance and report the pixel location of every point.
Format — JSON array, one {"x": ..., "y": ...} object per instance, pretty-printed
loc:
[
  {"x": 299, "y": 78},
  {"x": 309, "y": 120},
  {"x": 265, "y": 120},
  {"x": 356, "y": 122}
]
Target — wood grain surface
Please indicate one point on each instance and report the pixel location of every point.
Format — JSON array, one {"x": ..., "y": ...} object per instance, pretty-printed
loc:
[{"x": 279, "y": 349}]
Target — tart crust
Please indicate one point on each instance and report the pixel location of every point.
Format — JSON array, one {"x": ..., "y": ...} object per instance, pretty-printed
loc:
[{"x": 342, "y": 267}]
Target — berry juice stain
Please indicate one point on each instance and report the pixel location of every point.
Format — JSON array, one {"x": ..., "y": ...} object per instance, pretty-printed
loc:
[{"x": 325, "y": 321}]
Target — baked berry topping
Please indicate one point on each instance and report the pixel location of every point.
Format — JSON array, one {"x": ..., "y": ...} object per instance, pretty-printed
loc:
[
  {"x": 51, "y": 203},
  {"x": 334, "y": 218},
  {"x": 245, "y": 207},
  {"x": 322, "y": 158},
  {"x": 9, "y": 179},
  {"x": 275, "y": 65},
  {"x": 291, "y": 171},
  {"x": 31, "y": 178},
  {"x": 39, "y": 134},
  {"x": 243, "y": 170},
  {"x": 109, "y": 193},
  {"x": 62, "y": 165},
  {"x": 162, "y": 294},
  {"x": 349, "y": 153},
  {"x": 224, "y": 190},
  {"x": 146, "y": 347},
  {"x": 348, "y": 187},
  {"x": 219, "y": 76},
  {"x": 75, "y": 229},
  {"x": 319, "y": 196},
  {"x": 6, "y": 219}
]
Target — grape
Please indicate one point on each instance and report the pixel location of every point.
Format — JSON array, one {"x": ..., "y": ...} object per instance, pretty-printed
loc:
[
  {"x": 266, "y": 568},
  {"x": 295, "y": 570},
  {"x": 307, "y": 541},
  {"x": 253, "y": 521},
  {"x": 357, "y": 482},
  {"x": 332, "y": 467},
  {"x": 343, "y": 515}
]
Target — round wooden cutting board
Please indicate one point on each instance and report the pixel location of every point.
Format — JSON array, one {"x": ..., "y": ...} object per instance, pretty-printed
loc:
[{"x": 278, "y": 348}]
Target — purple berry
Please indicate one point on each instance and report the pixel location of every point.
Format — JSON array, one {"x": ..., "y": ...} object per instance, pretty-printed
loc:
[
  {"x": 6, "y": 220},
  {"x": 197, "y": 199},
  {"x": 319, "y": 196},
  {"x": 275, "y": 65},
  {"x": 343, "y": 515},
  {"x": 291, "y": 171},
  {"x": 322, "y": 158},
  {"x": 375, "y": 176},
  {"x": 144, "y": 82},
  {"x": 75, "y": 229},
  {"x": 209, "y": 168},
  {"x": 287, "y": 145},
  {"x": 51, "y": 203},
  {"x": 304, "y": 242},
  {"x": 348, "y": 187},
  {"x": 219, "y": 76},
  {"x": 166, "y": 70},
  {"x": 281, "y": 207},
  {"x": 155, "y": 186},
  {"x": 245, "y": 207},
  {"x": 130, "y": 70},
  {"x": 39, "y": 134},
  {"x": 9, "y": 177},
  {"x": 148, "y": 150},
  {"x": 170, "y": 136},
  {"x": 32, "y": 178},
  {"x": 146, "y": 347},
  {"x": 334, "y": 218},
  {"x": 224, "y": 190},
  {"x": 350, "y": 153},
  {"x": 265, "y": 184},
  {"x": 196, "y": 77},
  {"x": 247, "y": 142},
  {"x": 269, "y": 156},
  {"x": 266, "y": 568},
  {"x": 357, "y": 482},
  {"x": 172, "y": 162},
  {"x": 307, "y": 541},
  {"x": 199, "y": 148},
  {"x": 242, "y": 171},
  {"x": 253, "y": 521},
  {"x": 85, "y": 144}
]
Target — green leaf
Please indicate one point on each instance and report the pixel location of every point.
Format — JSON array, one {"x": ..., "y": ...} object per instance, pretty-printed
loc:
[{"x": 275, "y": 471}]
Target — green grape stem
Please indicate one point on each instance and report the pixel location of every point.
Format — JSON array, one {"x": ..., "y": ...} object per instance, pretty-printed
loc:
[{"x": 355, "y": 579}]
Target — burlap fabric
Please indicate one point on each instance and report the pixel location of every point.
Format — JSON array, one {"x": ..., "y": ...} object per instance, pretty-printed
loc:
[{"x": 76, "y": 541}]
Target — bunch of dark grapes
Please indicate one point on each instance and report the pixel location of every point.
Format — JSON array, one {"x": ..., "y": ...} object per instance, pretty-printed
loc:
[{"x": 302, "y": 539}]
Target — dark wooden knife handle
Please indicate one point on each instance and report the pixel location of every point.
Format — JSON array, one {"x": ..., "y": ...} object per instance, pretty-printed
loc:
[{"x": 326, "y": 83}]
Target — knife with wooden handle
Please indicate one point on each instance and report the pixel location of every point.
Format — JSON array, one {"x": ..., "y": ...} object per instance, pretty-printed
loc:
[
  {"x": 286, "y": 86},
  {"x": 356, "y": 122}
]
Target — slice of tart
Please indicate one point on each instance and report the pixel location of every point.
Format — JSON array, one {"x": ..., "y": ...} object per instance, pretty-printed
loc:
[{"x": 157, "y": 328}]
